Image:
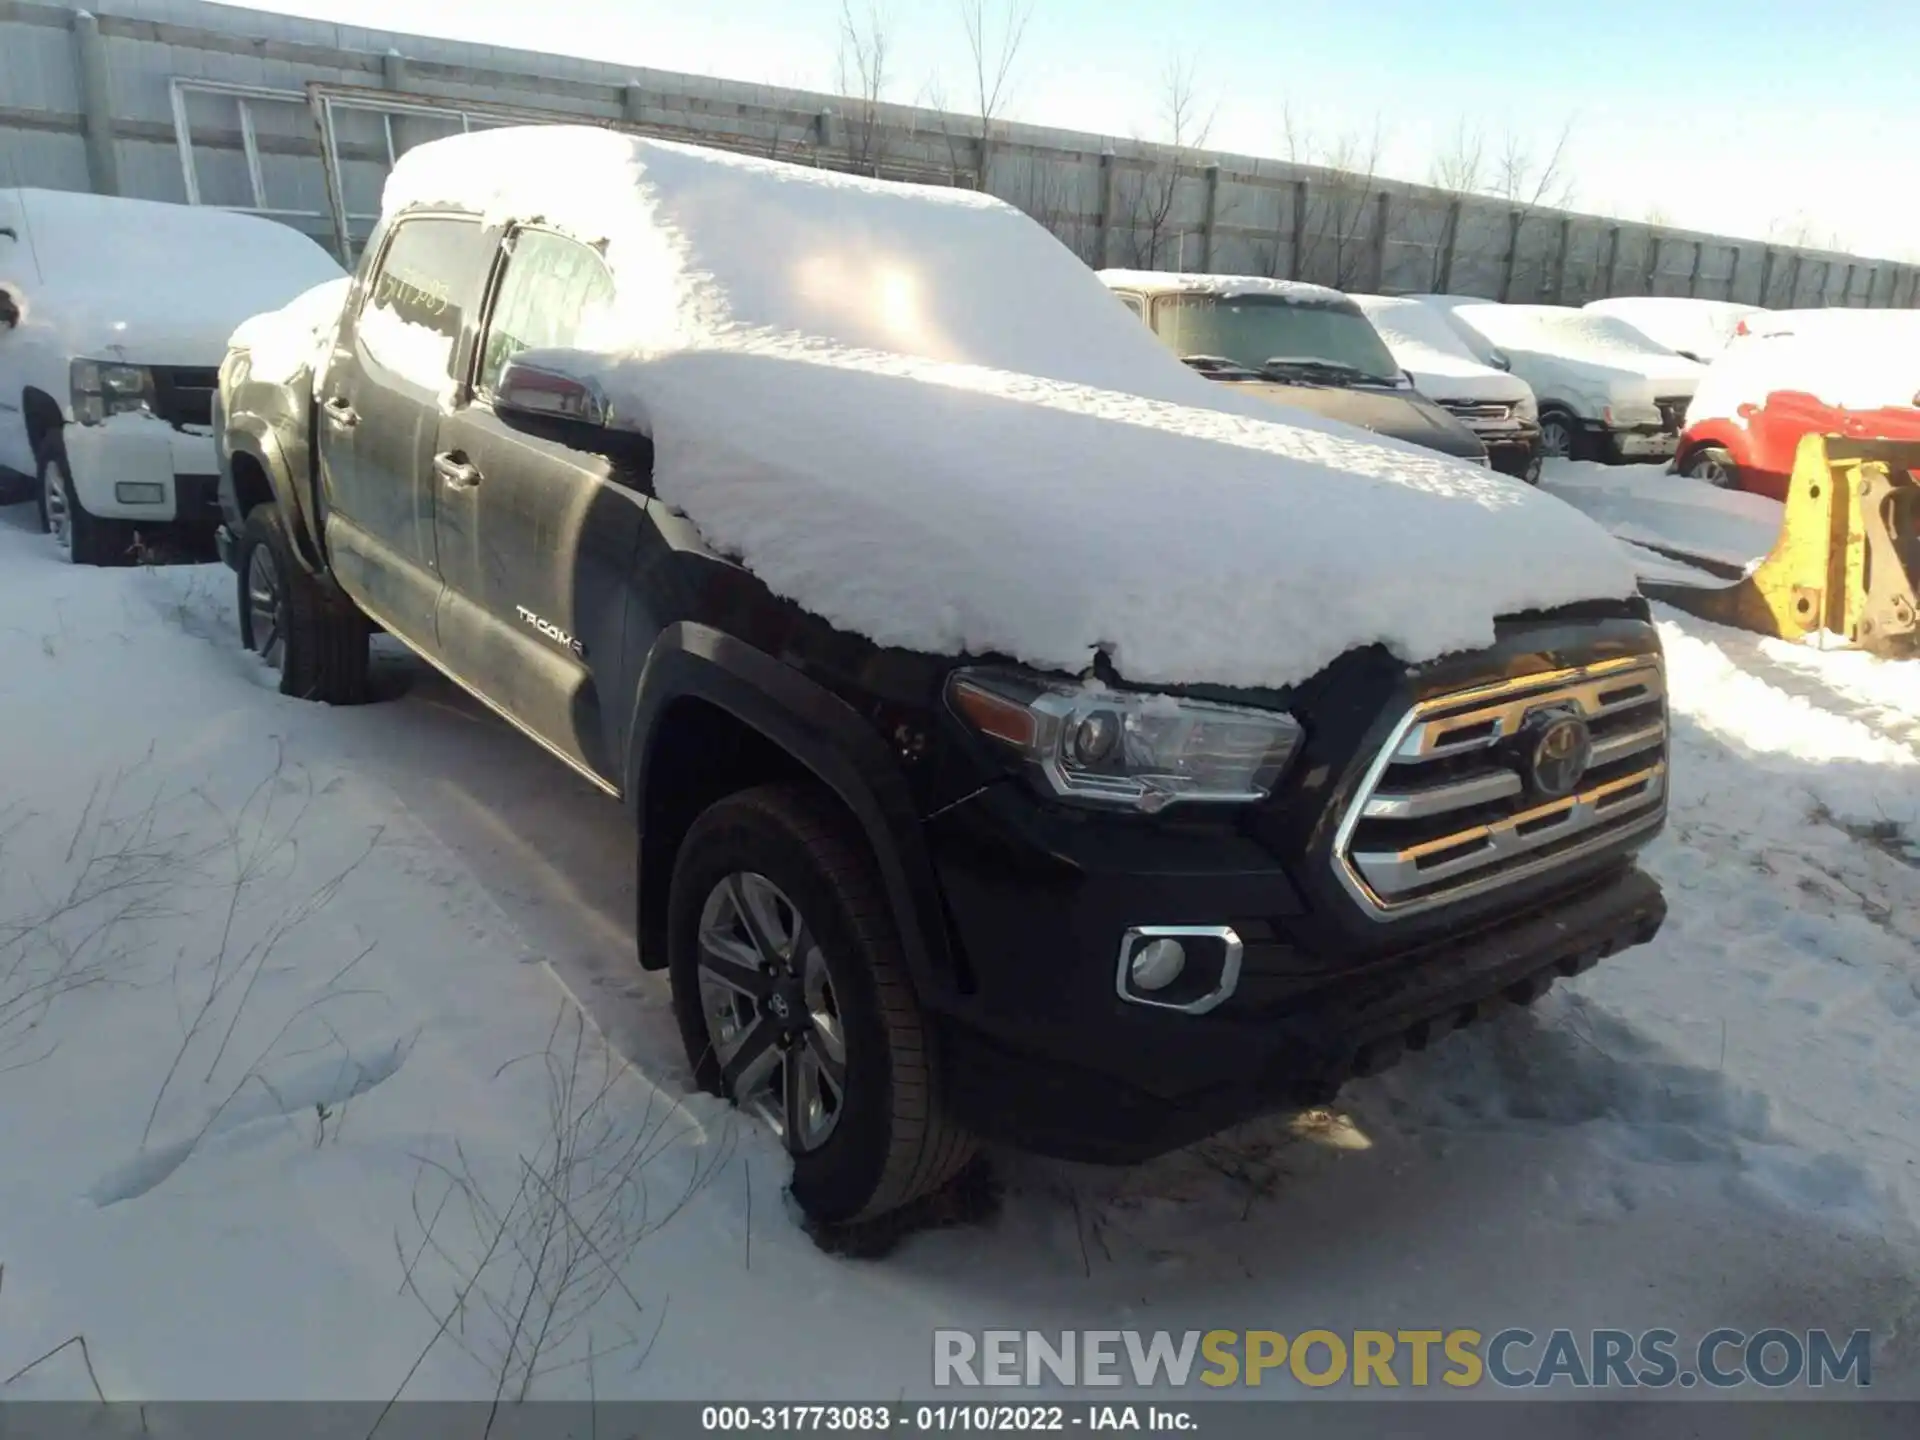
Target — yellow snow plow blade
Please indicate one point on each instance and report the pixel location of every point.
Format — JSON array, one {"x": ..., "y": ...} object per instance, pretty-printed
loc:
[{"x": 1848, "y": 557}]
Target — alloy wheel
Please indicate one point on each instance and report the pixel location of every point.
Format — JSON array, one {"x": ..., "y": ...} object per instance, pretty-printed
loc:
[
  {"x": 1707, "y": 468},
  {"x": 59, "y": 518},
  {"x": 1556, "y": 439},
  {"x": 773, "y": 1017},
  {"x": 266, "y": 607}
]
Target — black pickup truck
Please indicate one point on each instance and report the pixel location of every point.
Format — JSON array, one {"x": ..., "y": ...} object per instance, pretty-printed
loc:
[{"x": 913, "y": 897}]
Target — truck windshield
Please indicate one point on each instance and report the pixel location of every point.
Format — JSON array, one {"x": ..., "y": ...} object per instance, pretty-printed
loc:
[{"x": 1278, "y": 336}]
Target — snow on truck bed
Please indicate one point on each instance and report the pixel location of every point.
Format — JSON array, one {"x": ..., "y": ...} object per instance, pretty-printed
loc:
[{"x": 916, "y": 414}]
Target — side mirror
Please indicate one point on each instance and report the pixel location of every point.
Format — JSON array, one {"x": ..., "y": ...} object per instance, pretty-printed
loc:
[
  {"x": 1498, "y": 359},
  {"x": 1407, "y": 375},
  {"x": 8, "y": 232},
  {"x": 543, "y": 387}
]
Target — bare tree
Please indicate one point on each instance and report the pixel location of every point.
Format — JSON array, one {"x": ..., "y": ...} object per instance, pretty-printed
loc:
[
  {"x": 995, "y": 32},
  {"x": 1509, "y": 168},
  {"x": 1334, "y": 244},
  {"x": 861, "y": 74},
  {"x": 1460, "y": 167},
  {"x": 1152, "y": 192}
]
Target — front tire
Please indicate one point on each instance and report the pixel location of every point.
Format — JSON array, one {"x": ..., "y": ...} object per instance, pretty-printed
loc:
[
  {"x": 794, "y": 1003},
  {"x": 316, "y": 641},
  {"x": 81, "y": 538}
]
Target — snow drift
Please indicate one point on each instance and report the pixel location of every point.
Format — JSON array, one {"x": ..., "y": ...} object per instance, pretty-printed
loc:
[{"x": 913, "y": 412}]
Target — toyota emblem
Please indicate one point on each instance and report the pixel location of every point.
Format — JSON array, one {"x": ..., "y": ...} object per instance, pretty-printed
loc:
[{"x": 1562, "y": 750}]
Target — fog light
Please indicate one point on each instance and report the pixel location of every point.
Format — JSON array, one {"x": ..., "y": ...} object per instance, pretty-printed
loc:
[
  {"x": 1158, "y": 963},
  {"x": 1186, "y": 968},
  {"x": 139, "y": 492}
]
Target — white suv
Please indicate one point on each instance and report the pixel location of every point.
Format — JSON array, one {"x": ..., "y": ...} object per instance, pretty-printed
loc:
[{"x": 114, "y": 324}]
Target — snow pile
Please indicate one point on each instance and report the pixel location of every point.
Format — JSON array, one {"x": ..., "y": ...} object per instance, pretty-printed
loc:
[
  {"x": 920, "y": 417},
  {"x": 340, "y": 1009},
  {"x": 1226, "y": 287},
  {"x": 1697, "y": 328},
  {"x": 1443, "y": 366},
  {"x": 1859, "y": 360},
  {"x": 1649, "y": 505},
  {"x": 281, "y": 343}
]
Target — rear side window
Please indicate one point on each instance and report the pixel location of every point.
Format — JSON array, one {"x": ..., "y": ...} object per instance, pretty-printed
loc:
[
  {"x": 553, "y": 294},
  {"x": 427, "y": 282}
]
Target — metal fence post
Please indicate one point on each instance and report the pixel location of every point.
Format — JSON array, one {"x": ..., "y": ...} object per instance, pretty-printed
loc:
[
  {"x": 633, "y": 102},
  {"x": 1560, "y": 260},
  {"x": 1296, "y": 257},
  {"x": 1212, "y": 218},
  {"x": 96, "y": 104},
  {"x": 1514, "y": 218},
  {"x": 1382, "y": 218},
  {"x": 1766, "y": 276},
  {"x": 1613, "y": 259},
  {"x": 1652, "y": 276},
  {"x": 1449, "y": 241},
  {"x": 1104, "y": 241},
  {"x": 1693, "y": 275}
]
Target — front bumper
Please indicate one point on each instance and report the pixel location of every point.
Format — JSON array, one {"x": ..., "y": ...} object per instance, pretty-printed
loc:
[
  {"x": 1641, "y": 442},
  {"x": 1045, "y": 1053},
  {"x": 144, "y": 470},
  {"x": 1512, "y": 451}
]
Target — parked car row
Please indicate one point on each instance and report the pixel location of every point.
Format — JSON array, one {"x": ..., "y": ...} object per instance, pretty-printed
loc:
[
  {"x": 119, "y": 316},
  {"x": 901, "y": 593}
]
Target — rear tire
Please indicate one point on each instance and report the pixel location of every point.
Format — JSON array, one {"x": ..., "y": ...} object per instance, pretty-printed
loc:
[
  {"x": 1561, "y": 437},
  {"x": 316, "y": 640},
  {"x": 1713, "y": 464},
  {"x": 777, "y": 877}
]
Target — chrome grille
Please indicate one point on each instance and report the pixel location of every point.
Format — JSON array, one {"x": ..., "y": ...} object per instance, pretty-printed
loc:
[
  {"x": 1481, "y": 410},
  {"x": 1447, "y": 811}
]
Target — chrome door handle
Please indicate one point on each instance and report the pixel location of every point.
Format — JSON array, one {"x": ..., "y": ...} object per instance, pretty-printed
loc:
[
  {"x": 341, "y": 413},
  {"x": 454, "y": 472}
]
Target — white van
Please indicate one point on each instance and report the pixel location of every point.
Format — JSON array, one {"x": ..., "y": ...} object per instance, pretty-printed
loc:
[{"x": 114, "y": 322}]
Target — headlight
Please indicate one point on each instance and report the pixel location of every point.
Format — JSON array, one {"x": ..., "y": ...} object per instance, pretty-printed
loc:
[
  {"x": 1088, "y": 742},
  {"x": 102, "y": 388}
]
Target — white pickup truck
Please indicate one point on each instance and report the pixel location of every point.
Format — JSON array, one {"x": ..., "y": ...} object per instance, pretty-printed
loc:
[{"x": 114, "y": 322}]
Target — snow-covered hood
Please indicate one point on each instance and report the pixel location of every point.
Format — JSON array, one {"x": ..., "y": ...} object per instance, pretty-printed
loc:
[
  {"x": 955, "y": 510},
  {"x": 283, "y": 342},
  {"x": 1444, "y": 377},
  {"x": 169, "y": 324},
  {"x": 1400, "y": 414}
]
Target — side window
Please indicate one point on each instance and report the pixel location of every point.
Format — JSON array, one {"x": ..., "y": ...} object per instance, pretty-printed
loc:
[
  {"x": 553, "y": 293},
  {"x": 410, "y": 321},
  {"x": 1133, "y": 303}
]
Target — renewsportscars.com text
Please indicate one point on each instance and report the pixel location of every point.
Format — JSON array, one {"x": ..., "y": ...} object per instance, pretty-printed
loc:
[{"x": 1416, "y": 1359}]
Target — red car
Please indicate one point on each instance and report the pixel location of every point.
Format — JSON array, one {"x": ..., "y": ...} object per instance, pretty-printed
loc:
[{"x": 1840, "y": 372}]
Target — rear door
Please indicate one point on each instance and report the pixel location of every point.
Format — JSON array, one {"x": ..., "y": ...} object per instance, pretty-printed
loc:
[
  {"x": 535, "y": 536},
  {"x": 379, "y": 410}
]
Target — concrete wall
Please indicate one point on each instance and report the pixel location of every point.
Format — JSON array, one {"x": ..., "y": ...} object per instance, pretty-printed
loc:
[{"x": 86, "y": 101}]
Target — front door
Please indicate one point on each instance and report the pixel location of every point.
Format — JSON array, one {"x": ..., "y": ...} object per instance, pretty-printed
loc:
[
  {"x": 536, "y": 536},
  {"x": 379, "y": 408}
]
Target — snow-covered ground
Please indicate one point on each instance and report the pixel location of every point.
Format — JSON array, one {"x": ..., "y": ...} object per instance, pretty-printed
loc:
[{"x": 325, "y": 1069}]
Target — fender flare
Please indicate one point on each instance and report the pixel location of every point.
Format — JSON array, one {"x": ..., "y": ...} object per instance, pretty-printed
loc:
[
  {"x": 826, "y": 736},
  {"x": 254, "y": 437}
]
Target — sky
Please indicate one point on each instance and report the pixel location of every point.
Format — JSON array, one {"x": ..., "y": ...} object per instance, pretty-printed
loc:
[{"x": 1760, "y": 118}]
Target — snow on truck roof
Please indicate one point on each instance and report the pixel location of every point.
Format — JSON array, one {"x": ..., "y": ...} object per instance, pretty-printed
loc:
[
  {"x": 917, "y": 415},
  {"x": 1225, "y": 287}
]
